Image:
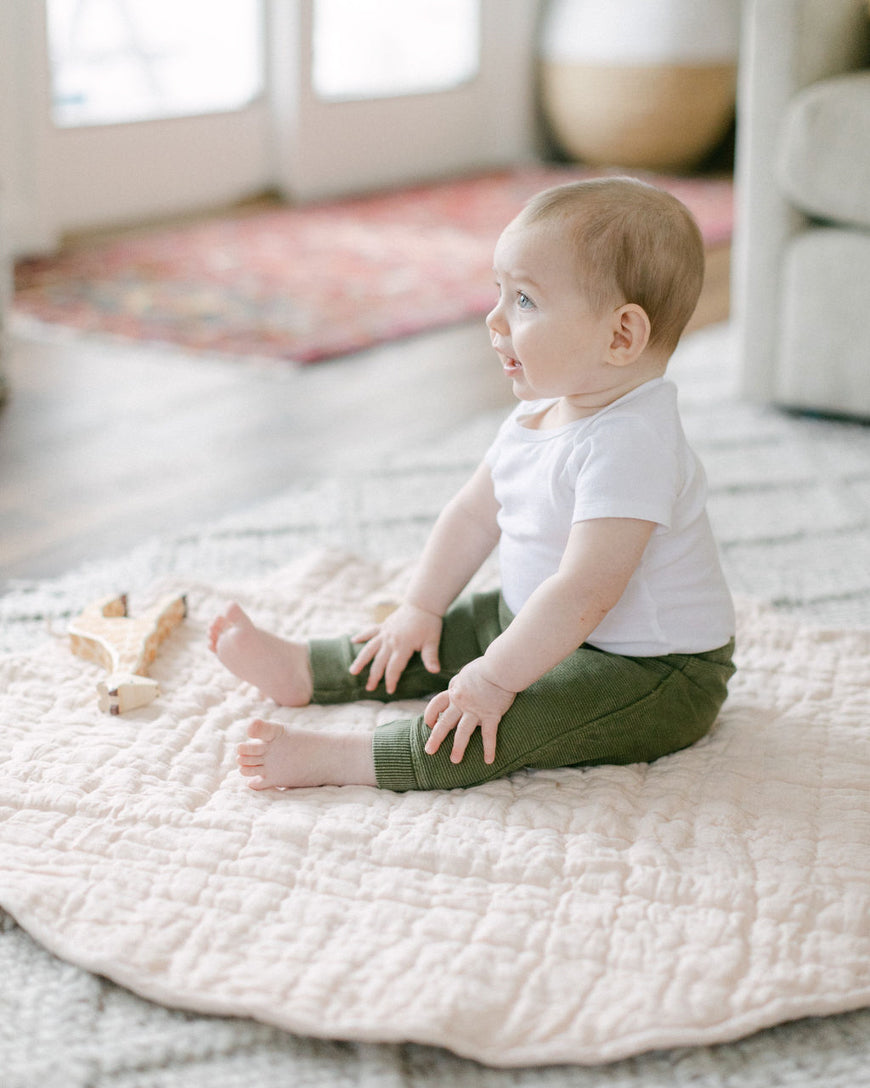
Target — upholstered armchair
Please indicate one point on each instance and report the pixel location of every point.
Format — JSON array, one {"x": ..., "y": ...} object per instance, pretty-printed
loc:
[
  {"x": 801, "y": 260},
  {"x": 5, "y": 297}
]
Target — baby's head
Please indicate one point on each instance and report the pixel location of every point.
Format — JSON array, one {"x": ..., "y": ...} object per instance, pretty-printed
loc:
[{"x": 632, "y": 243}]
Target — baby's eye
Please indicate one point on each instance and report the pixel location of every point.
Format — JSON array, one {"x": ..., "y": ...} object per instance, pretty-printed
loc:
[{"x": 524, "y": 302}]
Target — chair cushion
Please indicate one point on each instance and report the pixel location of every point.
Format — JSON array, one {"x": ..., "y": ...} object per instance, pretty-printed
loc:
[
  {"x": 824, "y": 155},
  {"x": 824, "y": 363}
]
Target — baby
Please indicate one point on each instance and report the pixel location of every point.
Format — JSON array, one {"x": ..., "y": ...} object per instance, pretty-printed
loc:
[{"x": 611, "y": 639}]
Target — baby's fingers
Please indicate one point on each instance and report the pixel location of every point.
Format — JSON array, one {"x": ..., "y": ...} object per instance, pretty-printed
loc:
[
  {"x": 429, "y": 654},
  {"x": 435, "y": 707},
  {"x": 447, "y": 722},
  {"x": 395, "y": 668},
  {"x": 379, "y": 669},
  {"x": 366, "y": 654},
  {"x": 464, "y": 728},
  {"x": 489, "y": 731}
]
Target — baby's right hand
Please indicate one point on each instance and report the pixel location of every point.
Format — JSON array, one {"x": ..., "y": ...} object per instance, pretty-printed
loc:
[{"x": 389, "y": 645}]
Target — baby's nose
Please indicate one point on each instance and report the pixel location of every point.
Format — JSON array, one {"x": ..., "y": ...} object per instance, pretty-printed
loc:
[{"x": 494, "y": 319}]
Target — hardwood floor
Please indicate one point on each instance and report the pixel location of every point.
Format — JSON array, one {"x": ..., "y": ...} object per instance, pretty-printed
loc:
[{"x": 104, "y": 444}]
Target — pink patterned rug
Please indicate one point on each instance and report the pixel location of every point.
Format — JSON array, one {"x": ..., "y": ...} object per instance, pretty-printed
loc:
[{"x": 308, "y": 283}]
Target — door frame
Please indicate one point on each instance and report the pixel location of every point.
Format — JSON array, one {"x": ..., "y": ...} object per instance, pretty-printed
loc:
[
  {"x": 54, "y": 181},
  {"x": 328, "y": 148}
]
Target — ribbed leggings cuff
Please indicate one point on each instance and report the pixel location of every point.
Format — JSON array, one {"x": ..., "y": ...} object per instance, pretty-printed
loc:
[{"x": 394, "y": 767}]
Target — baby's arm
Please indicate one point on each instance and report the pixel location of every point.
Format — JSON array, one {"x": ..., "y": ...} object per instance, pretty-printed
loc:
[
  {"x": 463, "y": 536},
  {"x": 599, "y": 560}
]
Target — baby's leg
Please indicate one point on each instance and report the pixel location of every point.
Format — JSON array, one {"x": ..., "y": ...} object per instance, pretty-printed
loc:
[
  {"x": 469, "y": 626},
  {"x": 277, "y": 756},
  {"x": 592, "y": 708},
  {"x": 279, "y": 668},
  {"x": 295, "y": 673}
]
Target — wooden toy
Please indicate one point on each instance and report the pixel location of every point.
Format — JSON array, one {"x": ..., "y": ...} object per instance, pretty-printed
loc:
[{"x": 125, "y": 645}]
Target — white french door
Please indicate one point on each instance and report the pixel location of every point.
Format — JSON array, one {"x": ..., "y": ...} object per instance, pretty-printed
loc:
[
  {"x": 104, "y": 119},
  {"x": 101, "y": 123},
  {"x": 480, "y": 114}
]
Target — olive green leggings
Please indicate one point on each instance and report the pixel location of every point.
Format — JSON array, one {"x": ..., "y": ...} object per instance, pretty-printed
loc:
[{"x": 593, "y": 707}]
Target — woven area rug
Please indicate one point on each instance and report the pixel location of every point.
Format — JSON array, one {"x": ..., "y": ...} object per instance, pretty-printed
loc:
[
  {"x": 309, "y": 283},
  {"x": 790, "y": 501}
]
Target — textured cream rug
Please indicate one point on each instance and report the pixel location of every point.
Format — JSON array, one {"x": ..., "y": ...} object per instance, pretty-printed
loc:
[{"x": 570, "y": 916}]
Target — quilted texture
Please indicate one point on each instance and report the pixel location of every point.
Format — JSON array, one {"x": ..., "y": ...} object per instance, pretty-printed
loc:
[{"x": 560, "y": 916}]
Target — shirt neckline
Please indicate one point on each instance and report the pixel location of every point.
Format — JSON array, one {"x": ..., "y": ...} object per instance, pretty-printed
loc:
[{"x": 576, "y": 424}]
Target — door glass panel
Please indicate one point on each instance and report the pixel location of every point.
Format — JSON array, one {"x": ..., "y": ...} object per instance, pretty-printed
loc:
[
  {"x": 387, "y": 48},
  {"x": 134, "y": 60}
]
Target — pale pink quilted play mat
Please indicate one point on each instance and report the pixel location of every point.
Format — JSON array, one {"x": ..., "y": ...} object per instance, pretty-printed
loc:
[{"x": 567, "y": 916}]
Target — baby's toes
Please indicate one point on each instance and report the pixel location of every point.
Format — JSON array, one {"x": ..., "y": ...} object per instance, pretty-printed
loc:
[
  {"x": 265, "y": 731},
  {"x": 217, "y": 628},
  {"x": 237, "y": 616},
  {"x": 251, "y": 749}
]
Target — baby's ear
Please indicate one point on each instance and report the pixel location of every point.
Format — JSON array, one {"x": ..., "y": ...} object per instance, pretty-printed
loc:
[{"x": 631, "y": 332}]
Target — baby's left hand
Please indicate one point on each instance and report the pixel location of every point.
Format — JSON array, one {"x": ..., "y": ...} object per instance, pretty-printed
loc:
[{"x": 471, "y": 701}]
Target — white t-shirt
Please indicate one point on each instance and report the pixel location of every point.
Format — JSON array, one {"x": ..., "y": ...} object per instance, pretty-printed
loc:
[{"x": 629, "y": 460}]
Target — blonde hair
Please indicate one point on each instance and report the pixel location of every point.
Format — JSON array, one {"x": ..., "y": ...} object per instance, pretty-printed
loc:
[{"x": 634, "y": 243}]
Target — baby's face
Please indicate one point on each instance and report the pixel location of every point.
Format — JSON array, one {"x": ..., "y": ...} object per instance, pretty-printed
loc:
[{"x": 550, "y": 339}]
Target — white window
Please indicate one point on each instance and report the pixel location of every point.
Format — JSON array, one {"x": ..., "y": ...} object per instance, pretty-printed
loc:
[
  {"x": 387, "y": 48},
  {"x": 134, "y": 60}
]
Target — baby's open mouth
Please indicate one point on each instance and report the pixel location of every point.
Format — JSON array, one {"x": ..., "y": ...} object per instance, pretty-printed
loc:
[{"x": 510, "y": 365}]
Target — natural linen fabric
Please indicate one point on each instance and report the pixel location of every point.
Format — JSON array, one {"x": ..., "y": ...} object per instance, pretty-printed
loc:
[
  {"x": 558, "y": 916},
  {"x": 824, "y": 152}
]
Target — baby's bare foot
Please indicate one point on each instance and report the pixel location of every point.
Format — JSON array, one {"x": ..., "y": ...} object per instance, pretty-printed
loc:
[
  {"x": 278, "y": 668},
  {"x": 275, "y": 756}
]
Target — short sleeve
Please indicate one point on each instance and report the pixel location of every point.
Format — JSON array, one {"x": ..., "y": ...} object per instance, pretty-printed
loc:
[{"x": 626, "y": 468}]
